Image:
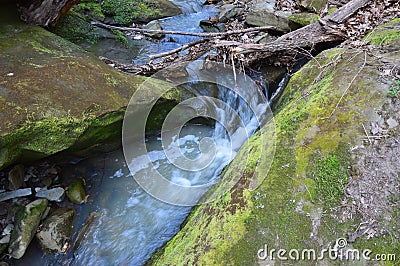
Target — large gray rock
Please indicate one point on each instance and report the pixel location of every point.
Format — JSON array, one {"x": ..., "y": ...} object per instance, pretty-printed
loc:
[
  {"x": 55, "y": 97},
  {"x": 56, "y": 231},
  {"x": 229, "y": 11},
  {"x": 27, "y": 220},
  {"x": 263, "y": 14}
]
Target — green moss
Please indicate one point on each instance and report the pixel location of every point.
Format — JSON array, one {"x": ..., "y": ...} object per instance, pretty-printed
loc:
[
  {"x": 303, "y": 19},
  {"x": 121, "y": 37},
  {"x": 76, "y": 29},
  {"x": 330, "y": 177},
  {"x": 126, "y": 12},
  {"x": 91, "y": 9},
  {"x": 314, "y": 131},
  {"x": 384, "y": 34},
  {"x": 76, "y": 192}
]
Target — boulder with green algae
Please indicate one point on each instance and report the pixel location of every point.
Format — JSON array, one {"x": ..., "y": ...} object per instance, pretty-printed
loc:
[
  {"x": 27, "y": 220},
  {"x": 56, "y": 231},
  {"x": 76, "y": 192},
  {"x": 301, "y": 203},
  {"x": 56, "y": 97}
]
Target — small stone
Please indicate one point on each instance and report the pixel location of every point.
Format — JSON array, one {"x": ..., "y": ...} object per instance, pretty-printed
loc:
[
  {"x": 8, "y": 229},
  {"x": 5, "y": 240},
  {"x": 54, "y": 194},
  {"x": 47, "y": 181},
  {"x": 76, "y": 192},
  {"x": 27, "y": 220},
  {"x": 15, "y": 194},
  {"x": 154, "y": 25},
  {"x": 392, "y": 123},
  {"x": 56, "y": 231},
  {"x": 16, "y": 177}
]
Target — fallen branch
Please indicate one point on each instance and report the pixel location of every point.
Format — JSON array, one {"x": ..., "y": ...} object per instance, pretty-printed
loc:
[
  {"x": 326, "y": 31},
  {"x": 198, "y": 34},
  {"x": 306, "y": 37},
  {"x": 177, "y": 50},
  {"x": 151, "y": 68}
]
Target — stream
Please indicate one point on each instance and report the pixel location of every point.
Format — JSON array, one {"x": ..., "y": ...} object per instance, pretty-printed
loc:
[{"x": 129, "y": 224}]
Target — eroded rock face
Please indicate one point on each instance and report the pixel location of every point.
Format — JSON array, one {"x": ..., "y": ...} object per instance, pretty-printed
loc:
[
  {"x": 56, "y": 231},
  {"x": 27, "y": 220}
]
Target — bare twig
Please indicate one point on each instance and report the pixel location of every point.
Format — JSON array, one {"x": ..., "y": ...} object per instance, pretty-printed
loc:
[{"x": 366, "y": 133}]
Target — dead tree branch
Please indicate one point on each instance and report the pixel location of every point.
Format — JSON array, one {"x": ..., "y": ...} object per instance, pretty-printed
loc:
[{"x": 198, "y": 34}]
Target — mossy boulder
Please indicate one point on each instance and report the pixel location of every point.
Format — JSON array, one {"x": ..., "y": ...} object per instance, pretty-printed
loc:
[
  {"x": 54, "y": 96},
  {"x": 56, "y": 231},
  {"x": 27, "y": 220},
  {"x": 304, "y": 201},
  {"x": 76, "y": 192}
]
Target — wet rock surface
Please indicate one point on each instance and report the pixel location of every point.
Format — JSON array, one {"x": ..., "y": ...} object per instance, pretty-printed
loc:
[
  {"x": 27, "y": 220},
  {"x": 56, "y": 231},
  {"x": 76, "y": 192}
]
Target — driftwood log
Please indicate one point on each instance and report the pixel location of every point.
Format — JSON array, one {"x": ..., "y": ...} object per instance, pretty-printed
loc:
[{"x": 325, "y": 30}]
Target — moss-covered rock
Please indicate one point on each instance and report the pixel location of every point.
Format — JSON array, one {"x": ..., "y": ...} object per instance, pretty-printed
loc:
[
  {"x": 27, "y": 220},
  {"x": 319, "y": 125},
  {"x": 56, "y": 231},
  {"x": 386, "y": 34},
  {"x": 54, "y": 96},
  {"x": 298, "y": 20},
  {"x": 76, "y": 192}
]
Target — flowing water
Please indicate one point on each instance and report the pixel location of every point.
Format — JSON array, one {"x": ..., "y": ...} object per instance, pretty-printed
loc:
[
  {"x": 189, "y": 20},
  {"x": 129, "y": 224}
]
